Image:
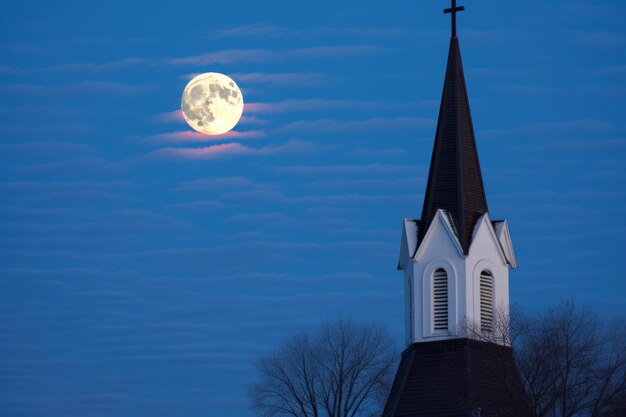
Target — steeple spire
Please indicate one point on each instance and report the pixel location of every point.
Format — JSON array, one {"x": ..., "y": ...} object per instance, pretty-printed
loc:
[{"x": 455, "y": 181}]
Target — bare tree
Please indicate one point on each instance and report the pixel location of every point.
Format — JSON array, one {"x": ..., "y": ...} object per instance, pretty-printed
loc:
[
  {"x": 573, "y": 362},
  {"x": 500, "y": 330},
  {"x": 342, "y": 370}
]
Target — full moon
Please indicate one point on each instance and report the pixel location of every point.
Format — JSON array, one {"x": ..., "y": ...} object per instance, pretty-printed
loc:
[{"x": 212, "y": 103}]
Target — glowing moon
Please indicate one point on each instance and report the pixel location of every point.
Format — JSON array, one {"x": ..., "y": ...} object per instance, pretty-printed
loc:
[{"x": 212, "y": 103}]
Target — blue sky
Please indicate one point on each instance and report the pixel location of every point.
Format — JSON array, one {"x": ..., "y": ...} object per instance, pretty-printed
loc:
[{"x": 142, "y": 271}]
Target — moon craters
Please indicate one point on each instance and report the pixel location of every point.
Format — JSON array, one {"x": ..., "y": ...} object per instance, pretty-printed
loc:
[{"x": 212, "y": 103}]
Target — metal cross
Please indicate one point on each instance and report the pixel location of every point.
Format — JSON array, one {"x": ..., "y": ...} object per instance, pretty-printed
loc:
[{"x": 454, "y": 10}]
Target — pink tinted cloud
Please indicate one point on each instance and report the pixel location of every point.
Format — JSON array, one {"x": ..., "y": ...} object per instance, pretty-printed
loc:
[
  {"x": 192, "y": 136},
  {"x": 171, "y": 116},
  {"x": 232, "y": 149},
  {"x": 286, "y": 106},
  {"x": 207, "y": 152},
  {"x": 250, "y": 120},
  {"x": 321, "y": 104}
]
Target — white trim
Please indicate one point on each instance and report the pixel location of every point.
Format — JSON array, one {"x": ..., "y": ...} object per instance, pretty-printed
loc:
[{"x": 439, "y": 217}]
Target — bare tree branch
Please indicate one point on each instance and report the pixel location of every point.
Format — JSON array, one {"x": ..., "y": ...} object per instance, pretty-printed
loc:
[{"x": 342, "y": 370}]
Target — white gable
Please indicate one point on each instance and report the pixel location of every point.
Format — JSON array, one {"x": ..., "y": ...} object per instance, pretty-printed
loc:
[
  {"x": 440, "y": 249},
  {"x": 440, "y": 238},
  {"x": 485, "y": 241}
]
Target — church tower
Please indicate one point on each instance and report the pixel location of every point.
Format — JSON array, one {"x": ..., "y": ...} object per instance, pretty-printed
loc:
[{"x": 456, "y": 262}]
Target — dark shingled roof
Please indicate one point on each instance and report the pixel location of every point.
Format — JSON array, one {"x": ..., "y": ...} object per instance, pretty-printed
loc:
[
  {"x": 452, "y": 378},
  {"x": 455, "y": 182}
]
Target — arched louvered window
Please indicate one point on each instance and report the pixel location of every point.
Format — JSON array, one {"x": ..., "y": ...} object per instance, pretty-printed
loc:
[
  {"x": 440, "y": 300},
  {"x": 486, "y": 301}
]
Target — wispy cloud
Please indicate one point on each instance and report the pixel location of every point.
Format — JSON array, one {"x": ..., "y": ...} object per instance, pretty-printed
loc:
[
  {"x": 200, "y": 206},
  {"x": 192, "y": 136},
  {"x": 208, "y": 152},
  {"x": 225, "y": 57},
  {"x": 100, "y": 88},
  {"x": 294, "y": 105},
  {"x": 260, "y": 55},
  {"x": 16, "y": 47},
  {"x": 585, "y": 9},
  {"x": 599, "y": 39},
  {"x": 48, "y": 111},
  {"x": 47, "y": 147},
  {"x": 579, "y": 145},
  {"x": 81, "y": 166},
  {"x": 377, "y": 123},
  {"x": 232, "y": 149},
  {"x": 284, "y": 78},
  {"x": 250, "y": 30},
  {"x": 213, "y": 183},
  {"x": 613, "y": 69},
  {"x": 333, "y": 170},
  {"x": 378, "y": 153},
  {"x": 335, "y": 51},
  {"x": 172, "y": 116},
  {"x": 527, "y": 89},
  {"x": 46, "y": 129},
  {"x": 76, "y": 67},
  {"x": 585, "y": 125},
  {"x": 263, "y": 30},
  {"x": 494, "y": 36},
  {"x": 372, "y": 184}
]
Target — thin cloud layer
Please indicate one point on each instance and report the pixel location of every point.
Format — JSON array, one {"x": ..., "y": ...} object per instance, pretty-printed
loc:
[
  {"x": 231, "y": 149},
  {"x": 192, "y": 136},
  {"x": 263, "y": 55},
  {"x": 144, "y": 267}
]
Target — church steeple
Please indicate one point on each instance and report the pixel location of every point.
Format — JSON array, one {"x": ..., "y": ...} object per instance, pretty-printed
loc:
[
  {"x": 455, "y": 181},
  {"x": 452, "y": 294}
]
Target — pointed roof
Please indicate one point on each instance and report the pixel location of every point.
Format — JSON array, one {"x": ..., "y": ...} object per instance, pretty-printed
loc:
[
  {"x": 450, "y": 378},
  {"x": 455, "y": 181}
]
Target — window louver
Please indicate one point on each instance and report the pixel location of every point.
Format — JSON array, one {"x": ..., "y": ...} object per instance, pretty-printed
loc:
[
  {"x": 486, "y": 301},
  {"x": 440, "y": 300}
]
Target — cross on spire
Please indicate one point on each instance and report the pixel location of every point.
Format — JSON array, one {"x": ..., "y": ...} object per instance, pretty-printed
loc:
[{"x": 453, "y": 11}]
